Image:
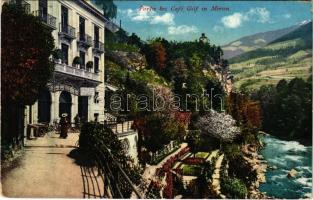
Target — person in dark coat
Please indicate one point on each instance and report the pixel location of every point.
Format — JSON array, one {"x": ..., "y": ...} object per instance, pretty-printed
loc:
[{"x": 64, "y": 126}]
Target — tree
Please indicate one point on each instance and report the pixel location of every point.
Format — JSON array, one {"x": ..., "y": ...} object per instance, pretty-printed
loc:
[
  {"x": 26, "y": 67},
  {"x": 108, "y": 7},
  {"x": 219, "y": 125},
  {"x": 193, "y": 140},
  {"x": 159, "y": 56},
  {"x": 134, "y": 40}
]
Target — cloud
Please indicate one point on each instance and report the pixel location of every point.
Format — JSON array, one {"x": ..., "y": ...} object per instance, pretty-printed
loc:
[
  {"x": 233, "y": 21},
  {"x": 146, "y": 14},
  {"x": 182, "y": 29},
  {"x": 166, "y": 19},
  {"x": 260, "y": 15}
]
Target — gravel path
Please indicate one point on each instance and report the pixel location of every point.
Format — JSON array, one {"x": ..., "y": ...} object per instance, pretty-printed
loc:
[{"x": 48, "y": 169}]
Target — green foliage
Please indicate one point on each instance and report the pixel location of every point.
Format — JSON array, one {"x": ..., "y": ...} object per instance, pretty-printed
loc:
[
  {"x": 193, "y": 139},
  {"x": 57, "y": 54},
  {"x": 25, "y": 52},
  {"x": 120, "y": 46},
  {"x": 287, "y": 109},
  {"x": 160, "y": 130},
  {"x": 234, "y": 188},
  {"x": 232, "y": 150},
  {"x": 98, "y": 139},
  {"x": 89, "y": 64},
  {"x": 108, "y": 7},
  {"x": 191, "y": 170},
  {"x": 148, "y": 77},
  {"x": 77, "y": 60}
]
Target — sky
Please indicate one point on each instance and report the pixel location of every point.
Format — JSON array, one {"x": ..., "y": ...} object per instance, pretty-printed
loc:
[{"x": 186, "y": 20}]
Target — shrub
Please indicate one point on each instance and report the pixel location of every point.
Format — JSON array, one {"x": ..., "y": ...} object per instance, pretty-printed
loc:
[
  {"x": 121, "y": 47},
  {"x": 89, "y": 64},
  {"x": 77, "y": 61},
  {"x": 98, "y": 140},
  {"x": 234, "y": 188}
]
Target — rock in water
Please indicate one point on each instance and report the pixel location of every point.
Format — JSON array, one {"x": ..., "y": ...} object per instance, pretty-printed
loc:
[{"x": 292, "y": 173}]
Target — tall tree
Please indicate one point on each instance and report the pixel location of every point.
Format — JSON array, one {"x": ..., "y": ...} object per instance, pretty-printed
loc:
[
  {"x": 219, "y": 125},
  {"x": 108, "y": 7},
  {"x": 26, "y": 67}
]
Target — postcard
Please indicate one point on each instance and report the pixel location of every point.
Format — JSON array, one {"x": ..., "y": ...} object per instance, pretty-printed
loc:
[{"x": 156, "y": 99}]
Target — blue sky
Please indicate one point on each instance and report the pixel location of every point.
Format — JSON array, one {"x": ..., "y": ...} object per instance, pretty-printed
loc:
[{"x": 223, "y": 26}]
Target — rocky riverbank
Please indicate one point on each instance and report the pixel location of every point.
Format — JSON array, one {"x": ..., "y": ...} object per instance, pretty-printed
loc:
[{"x": 259, "y": 165}]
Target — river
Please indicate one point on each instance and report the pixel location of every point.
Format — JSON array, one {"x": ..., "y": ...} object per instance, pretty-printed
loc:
[{"x": 287, "y": 155}]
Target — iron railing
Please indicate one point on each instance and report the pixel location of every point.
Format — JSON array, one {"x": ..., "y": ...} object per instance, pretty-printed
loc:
[
  {"x": 46, "y": 18},
  {"x": 113, "y": 175},
  {"x": 84, "y": 39},
  {"x": 67, "y": 30},
  {"x": 99, "y": 46}
]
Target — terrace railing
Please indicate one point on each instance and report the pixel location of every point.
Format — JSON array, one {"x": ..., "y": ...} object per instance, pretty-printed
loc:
[{"x": 48, "y": 19}]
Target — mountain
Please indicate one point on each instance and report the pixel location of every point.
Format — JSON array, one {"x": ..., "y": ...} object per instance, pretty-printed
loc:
[
  {"x": 285, "y": 57},
  {"x": 253, "y": 42}
]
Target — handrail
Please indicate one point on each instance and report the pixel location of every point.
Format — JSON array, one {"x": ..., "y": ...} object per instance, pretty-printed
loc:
[{"x": 101, "y": 153}]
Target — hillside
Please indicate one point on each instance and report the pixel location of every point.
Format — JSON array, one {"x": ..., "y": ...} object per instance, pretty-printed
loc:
[
  {"x": 252, "y": 42},
  {"x": 284, "y": 58}
]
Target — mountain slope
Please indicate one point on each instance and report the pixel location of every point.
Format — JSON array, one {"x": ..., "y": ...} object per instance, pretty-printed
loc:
[
  {"x": 252, "y": 42},
  {"x": 284, "y": 58}
]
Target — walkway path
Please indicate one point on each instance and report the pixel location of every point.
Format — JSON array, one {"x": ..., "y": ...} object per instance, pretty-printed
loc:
[
  {"x": 48, "y": 169},
  {"x": 216, "y": 176},
  {"x": 150, "y": 170}
]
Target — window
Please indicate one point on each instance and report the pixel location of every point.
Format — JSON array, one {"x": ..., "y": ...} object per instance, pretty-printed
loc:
[
  {"x": 64, "y": 49},
  {"x": 82, "y": 57},
  {"x": 43, "y": 9},
  {"x": 64, "y": 19},
  {"x": 96, "y": 36},
  {"x": 96, "y": 64},
  {"x": 81, "y": 28},
  {"x": 96, "y": 97}
]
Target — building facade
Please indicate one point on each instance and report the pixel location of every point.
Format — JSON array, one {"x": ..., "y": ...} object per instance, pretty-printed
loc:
[
  {"x": 78, "y": 83},
  {"x": 77, "y": 86}
]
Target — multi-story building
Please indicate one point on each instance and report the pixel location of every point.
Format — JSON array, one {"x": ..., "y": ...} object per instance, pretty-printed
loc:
[{"x": 77, "y": 86}]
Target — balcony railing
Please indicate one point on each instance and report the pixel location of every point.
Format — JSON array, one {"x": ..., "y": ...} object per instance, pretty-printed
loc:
[
  {"x": 67, "y": 31},
  {"x": 46, "y": 18},
  {"x": 21, "y": 4},
  {"x": 66, "y": 69},
  {"x": 98, "y": 46},
  {"x": 84, "y": 39}
]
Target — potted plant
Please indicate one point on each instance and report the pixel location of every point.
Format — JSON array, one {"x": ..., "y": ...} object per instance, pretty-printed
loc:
[
  {"x": 89, "y": 65},
  {"x": 77, "y": 61},
  {"x": 57, "y": 55}
]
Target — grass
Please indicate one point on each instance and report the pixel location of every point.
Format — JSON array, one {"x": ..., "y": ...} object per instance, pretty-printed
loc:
[
  {"x": 268, "y": 70},
  {"x": 191, "y": 170},
  {"x": 202, "y": 155}
]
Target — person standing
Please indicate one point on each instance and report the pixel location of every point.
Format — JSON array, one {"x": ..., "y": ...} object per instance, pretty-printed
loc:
[
  {"x": 64, "y": 126},
  {"x": 77, "y": 122}
]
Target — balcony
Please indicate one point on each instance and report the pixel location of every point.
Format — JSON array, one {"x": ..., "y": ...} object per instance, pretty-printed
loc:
[
  {"x": 21, "y": 4},
  {"x": 84, "y": 40},
  {"x": 98, "y": 47},
  {"x": 48, "y": 19},
  {"x": 73, "y": 71},
  {"x": 67, "y": 32}
]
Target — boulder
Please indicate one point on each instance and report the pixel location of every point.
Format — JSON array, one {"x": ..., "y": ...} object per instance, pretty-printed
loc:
[{"x": 292, "y": 173}]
